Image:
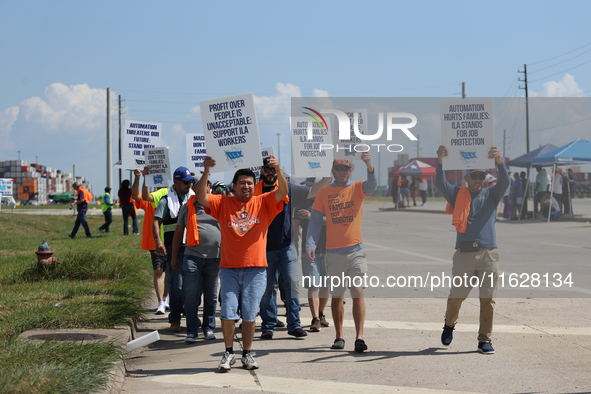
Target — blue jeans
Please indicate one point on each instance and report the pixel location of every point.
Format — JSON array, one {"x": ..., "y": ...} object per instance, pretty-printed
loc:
[
  {"x": 81, "y": 220},
  {"x": 244, "y": 286},
  {"x": 108, "y": 220},
  {"x": 175, "y": 286},
  {"x": 129, "y": 210},
  {"x": 200, "y": 276},
  {"x": 282, "y": 261}
]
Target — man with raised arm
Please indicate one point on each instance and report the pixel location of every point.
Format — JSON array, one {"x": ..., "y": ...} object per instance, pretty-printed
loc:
[
  {"x": 342, "y": 203},
  {"x": 244, "y": 220},
  {"x": 474, "y": 216}
]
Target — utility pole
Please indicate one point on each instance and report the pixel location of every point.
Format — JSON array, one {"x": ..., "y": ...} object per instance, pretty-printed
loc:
[
  {"x": 279, "y": 148},
  {"x": 109, "y": 145},
  {"x": 19, "y": 156},
  {"x": 463, "y": 90},
  {"x": 418, "y": 146},
  {"x": 504, "y": 138},
  {"x": 120, "y": 140},
  {"x": 524, "y": 72}
]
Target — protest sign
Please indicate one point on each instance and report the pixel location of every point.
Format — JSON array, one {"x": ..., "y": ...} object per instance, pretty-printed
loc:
[
  {"x": 158, "y": 161},
  {"x": 309, "y": 160},
  {"x": 231, "y": 131},
  {"x": 265, "y": 152},
  {"x": 467, "y": 132},
  {"x": 137, "y": 136},
  {"x": 196, "y": 152},
  {"x": 6, "y": 187},
  {"x": 356, "y": 116}
]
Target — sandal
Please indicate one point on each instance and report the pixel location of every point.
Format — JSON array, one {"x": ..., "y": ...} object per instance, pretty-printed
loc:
[
  {"x": 339, "y": 343},
  {"x": 360, "y": 346}
]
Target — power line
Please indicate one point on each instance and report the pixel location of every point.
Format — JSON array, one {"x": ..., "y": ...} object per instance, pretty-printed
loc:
[
  {"x": 564, "y": 61},
  {"x": 555, "y": 57},
  {"x": 562, "y": 125},
  {"x": 560, "y": 72}
]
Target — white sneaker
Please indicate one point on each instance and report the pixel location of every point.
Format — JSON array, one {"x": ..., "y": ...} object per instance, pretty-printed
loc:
[
  {"x": 210, "y": 335},
  {"x": 228, "y": 360},
  {"x": 249, "y": 362},
  {"x": 166, "y": 304},
  {"x": 190, "y": 338},
  {"x": 161, "y": 308}
]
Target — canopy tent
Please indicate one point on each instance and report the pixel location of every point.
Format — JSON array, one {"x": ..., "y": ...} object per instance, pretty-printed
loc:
[
  {"x": 576, "y": 152},
  {"x": 416, "y": 168},
  {"x": 526, "y": 159}
]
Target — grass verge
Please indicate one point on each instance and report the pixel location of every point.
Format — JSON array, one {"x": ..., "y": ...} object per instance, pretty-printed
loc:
[{"x": 100, "y": 283}]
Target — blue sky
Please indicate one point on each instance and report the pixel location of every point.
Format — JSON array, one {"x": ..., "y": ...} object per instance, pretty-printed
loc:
[{"x": 59, "y": 57}]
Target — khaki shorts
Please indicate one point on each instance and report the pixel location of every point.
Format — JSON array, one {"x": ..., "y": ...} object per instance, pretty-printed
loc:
[{"x": 345, "y": 266}]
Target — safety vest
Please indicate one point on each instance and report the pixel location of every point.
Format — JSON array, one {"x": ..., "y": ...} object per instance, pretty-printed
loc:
[
  {"x": 104, "y": 205},
  {"x": 169, "y": 225}
]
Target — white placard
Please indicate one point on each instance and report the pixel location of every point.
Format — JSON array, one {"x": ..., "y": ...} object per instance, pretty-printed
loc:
[
  {"x": 137, "y": 136},
  {"x": 6, "y": 187},
  {"x": 158, "y": 160},
  {"x": 265, "y": 152},
  {"x": 231, "y": 132},
  {"x": 309, "y": 160},
  {"x": 467, "y": 131},
  {"x": 196, "y": 152},
  {"x": 355, "y": 115}
]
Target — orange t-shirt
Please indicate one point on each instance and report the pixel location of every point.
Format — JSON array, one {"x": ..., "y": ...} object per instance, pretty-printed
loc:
[
  {"x": 244, "y": 228},
  {"x": 148, "y": 242},
  {"x": 343, "y": 208}
]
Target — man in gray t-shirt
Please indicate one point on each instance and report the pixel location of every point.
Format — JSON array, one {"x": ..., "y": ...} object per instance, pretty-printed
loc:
[{"x": 199, "y": 267}]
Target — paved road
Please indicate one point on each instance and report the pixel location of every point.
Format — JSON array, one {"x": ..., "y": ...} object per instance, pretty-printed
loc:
[{"x": 542, "y": 339}]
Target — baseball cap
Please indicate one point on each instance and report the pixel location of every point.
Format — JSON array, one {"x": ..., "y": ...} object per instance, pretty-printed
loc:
[
  {"x": 183, "y": 174},
  {"x": 341, "y": 163},
  {"x": 468, "y": 172},
  {"x": 308, "y": 181},
  {"x": 266, "y": 162},
  {"x": 218, "y": 183}
]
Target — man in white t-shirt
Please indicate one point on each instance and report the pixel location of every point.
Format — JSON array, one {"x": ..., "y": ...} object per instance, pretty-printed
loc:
[{"x": 423, "y": 187}]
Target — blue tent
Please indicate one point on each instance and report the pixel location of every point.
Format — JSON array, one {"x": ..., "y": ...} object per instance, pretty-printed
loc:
[
  {"x": 578, "y": 151},
  {"x": 526, "y": 159}
]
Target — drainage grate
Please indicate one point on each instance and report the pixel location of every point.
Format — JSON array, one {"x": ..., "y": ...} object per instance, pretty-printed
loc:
[{"x": 72, "y": 336}]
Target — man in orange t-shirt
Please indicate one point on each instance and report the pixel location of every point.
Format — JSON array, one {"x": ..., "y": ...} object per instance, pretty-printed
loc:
[
  {"x": 244, "y": 220},
  {"x": 148, "y": 243},
  {"x": 342, "y": 203}
]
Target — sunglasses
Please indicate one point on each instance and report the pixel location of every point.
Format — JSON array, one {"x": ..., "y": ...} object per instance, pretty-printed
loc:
[
  {"x": 342, "y": 168},
  {"x": 268, "y": 170},
  {"x": 477, "y": 176},
  {"x": 219, "y": 189},
  {"x": 187, "y": 182}
]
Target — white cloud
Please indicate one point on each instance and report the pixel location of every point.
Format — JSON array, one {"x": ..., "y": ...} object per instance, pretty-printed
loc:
[
  {"x": 319, "y": 93},
  {"x": 7, "y": 119},
  {"x": 269, "y": 106},
  {"x": 565, "y": 88},
  {"x": 66, "y": 108}
]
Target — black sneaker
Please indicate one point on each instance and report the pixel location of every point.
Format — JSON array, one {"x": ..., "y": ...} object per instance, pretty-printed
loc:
[
  {"x": 298, "y": 333},
  {"x": 447, "y": 335},
  {"x": 485, "y": 348},
  {"x": 267, "y": 335},
  {"x": 279, "y": 324}
]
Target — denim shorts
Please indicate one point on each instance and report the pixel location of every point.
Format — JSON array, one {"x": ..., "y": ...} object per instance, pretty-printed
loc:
[
  {"x": 158, "y": 261},
  {"x": 245, "y": 286}
]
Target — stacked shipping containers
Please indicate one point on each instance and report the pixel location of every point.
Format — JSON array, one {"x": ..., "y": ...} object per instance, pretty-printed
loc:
[{"x": 35, "y": 181}]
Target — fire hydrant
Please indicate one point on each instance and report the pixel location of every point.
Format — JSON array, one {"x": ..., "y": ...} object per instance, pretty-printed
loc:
[{"x": 44, "y": 257}]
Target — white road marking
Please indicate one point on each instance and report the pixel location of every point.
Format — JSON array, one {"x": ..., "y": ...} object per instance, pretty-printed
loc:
[
  {"x": 244, "y": 381},
  {"x": 498, "y": 328}
]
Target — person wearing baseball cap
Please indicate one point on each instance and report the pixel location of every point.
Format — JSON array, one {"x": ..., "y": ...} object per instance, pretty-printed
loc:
[
  {"x": 167, "y": 215},
  {"x": 342, "y": 204},
  {"x": 474, "y": 217}
]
